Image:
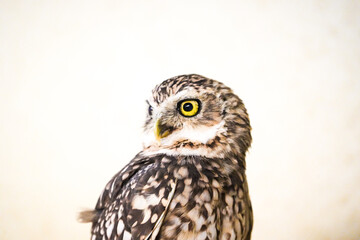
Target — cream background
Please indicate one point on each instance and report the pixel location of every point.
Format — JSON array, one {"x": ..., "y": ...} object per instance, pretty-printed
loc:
[{"x": 74, "y": 76}]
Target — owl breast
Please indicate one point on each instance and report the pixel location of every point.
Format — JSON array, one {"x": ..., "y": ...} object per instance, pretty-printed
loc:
[{"x": 209, "y": 201}]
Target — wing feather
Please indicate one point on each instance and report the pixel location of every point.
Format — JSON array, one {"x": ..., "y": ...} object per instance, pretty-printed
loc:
[{"x": 132, "y": 203}]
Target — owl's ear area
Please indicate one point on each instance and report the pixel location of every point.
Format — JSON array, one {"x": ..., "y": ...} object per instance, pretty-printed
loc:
[{"x": 162, "y": 130}]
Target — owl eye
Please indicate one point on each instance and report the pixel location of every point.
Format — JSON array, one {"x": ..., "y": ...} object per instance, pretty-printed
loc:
[
  {"x": 150, "y": 110},
  {"x": 189, "y": 108}
]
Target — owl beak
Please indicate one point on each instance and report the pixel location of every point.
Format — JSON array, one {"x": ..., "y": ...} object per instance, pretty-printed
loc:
[{"x": 161, "y": 131}]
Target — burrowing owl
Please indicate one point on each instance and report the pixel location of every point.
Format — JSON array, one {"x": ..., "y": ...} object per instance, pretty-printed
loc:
[{"x": 189, "y": 180}]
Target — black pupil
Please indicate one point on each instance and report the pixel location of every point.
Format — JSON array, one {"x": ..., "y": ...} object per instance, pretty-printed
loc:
[{"x": 188, "y": 107}]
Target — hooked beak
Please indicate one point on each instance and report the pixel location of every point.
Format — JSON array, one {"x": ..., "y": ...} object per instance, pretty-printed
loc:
[{"x": 161, "y": 131}]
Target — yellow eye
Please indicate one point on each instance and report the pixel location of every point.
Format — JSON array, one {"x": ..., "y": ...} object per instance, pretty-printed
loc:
[{"x": 189, "y": 108}]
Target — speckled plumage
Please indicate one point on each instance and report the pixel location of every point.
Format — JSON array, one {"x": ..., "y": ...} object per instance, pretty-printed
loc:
[{"x": 189, "y": 183}]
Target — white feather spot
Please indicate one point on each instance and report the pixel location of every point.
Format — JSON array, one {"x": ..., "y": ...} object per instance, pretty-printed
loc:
[
  {"x": 152, "y": 200},
  {"x": 229, "y": 200},
  {"x": 147, "y": 215},
  {"x": 120, "y": 227},
  {"x": 109, "y": 230},
  {"x": 199, "y": 222},
  {"x": 193, "y": 214},
  {"x": 139, "y": 202},
  {"x": 201, "y": 236},
  {"x": 127, "y": 236},
  {"x": 154, "y": 218}
]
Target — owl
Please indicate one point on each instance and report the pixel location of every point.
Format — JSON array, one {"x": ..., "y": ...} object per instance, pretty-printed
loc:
[{"x": 189, "y": 180}]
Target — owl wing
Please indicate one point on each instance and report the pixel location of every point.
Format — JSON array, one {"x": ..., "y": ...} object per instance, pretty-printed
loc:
[
  {"x": 249, "y": 215},
  {"x": 134, "y": 202}
]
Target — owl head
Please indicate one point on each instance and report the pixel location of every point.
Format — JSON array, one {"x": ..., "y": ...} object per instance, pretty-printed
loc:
[{"x": 195, "y": 115}]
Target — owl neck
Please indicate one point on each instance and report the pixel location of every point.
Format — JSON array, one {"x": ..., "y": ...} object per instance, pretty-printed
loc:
[
  {"x": 229, "y": 138},
  {"x": 219, "y": 147}
]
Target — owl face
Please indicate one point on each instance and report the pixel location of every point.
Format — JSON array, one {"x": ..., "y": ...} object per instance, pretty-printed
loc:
[{"x": 193, "y": 115}]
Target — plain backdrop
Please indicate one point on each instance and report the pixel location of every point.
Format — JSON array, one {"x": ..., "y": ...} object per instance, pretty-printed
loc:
[{"x": 74, "y": 76}]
